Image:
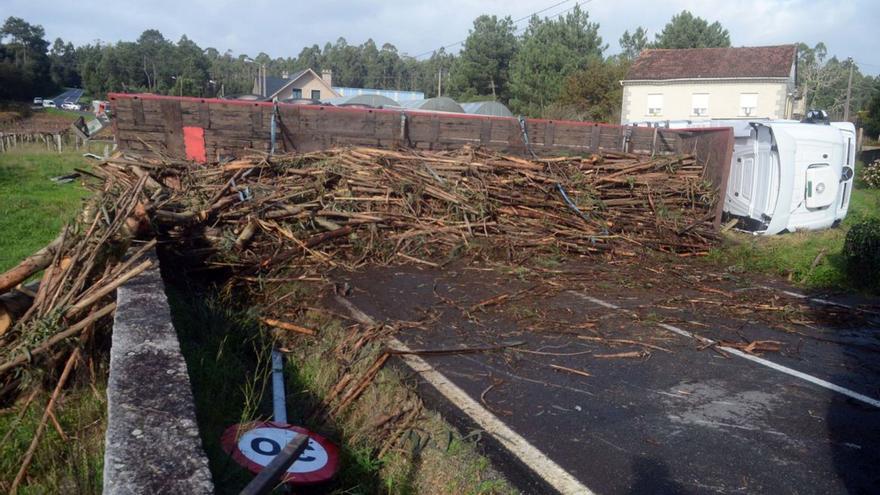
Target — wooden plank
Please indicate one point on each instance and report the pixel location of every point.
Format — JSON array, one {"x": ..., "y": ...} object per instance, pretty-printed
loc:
[
  {"x": 256, "y": 115},
  {"x": 173, "y": 127},
  {"x": 486, "y": 132},
  {"x": 550, "y": 134},
  {"x": 268, "y": 478},
  {"x": 595, "y": 136},
  {"x": 137, "y": 112},
  {"x": 205, "y": 114},
  {"x": 435, "y": 131}
]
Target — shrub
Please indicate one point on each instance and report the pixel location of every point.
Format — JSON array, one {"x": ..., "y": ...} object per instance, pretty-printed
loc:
[
  {"x": 861, "y": 250},
  {"x": 871, "y": 175}
]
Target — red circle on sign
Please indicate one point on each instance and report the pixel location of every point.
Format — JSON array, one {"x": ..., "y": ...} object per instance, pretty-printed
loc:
[{"x": 231, "y": 436}]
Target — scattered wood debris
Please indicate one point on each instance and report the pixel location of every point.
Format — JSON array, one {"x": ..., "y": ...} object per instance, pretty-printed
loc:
[
  {"x": 754, "y": 347},
  {"x": 293, "y": 216},
  {"x": 570, "y": 370},
  {"x": 624, "y": 355}
]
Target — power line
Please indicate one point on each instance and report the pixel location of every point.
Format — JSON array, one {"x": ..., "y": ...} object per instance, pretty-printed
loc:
[
  {"x": 865, "y": 63},
  {"x": 539, "y": 12},
  {"x": 517, "y": 21},
  {"x": 554, "y": 16}
]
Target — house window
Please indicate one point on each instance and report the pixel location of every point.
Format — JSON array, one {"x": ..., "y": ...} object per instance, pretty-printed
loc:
[
  {"x": 748, "y": 104},
  {"x": 297, "y": 93},
  {"x": 316, "y": 94},
  {"x": 700, "y": 104},
  {"x": 655, "y": 104}
]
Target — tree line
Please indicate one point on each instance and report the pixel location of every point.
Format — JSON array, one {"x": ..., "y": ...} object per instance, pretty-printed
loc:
[{"x": 555, "y": 67}]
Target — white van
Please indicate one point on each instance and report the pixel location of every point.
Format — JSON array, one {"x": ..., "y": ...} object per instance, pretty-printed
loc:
[{"x": 789, "y": 176}]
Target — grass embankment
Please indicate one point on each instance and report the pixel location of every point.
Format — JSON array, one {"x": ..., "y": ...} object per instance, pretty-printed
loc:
[
  {"x": 67, "y": 114},
  {"x": 228, "y": 357},
  {"x": 810, "y": 259},
  {"x": 33, "y": 209}
]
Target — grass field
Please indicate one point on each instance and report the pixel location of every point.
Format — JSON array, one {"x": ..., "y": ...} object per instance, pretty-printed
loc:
[
  {"x": 64, "y": 113},
  {"x": 812, "y": 260},
  {"x": 33, "y": 209},
  {"x": 61, "y": 465}
]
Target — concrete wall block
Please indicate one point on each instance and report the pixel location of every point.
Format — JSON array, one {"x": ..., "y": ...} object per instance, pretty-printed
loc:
[{"x": 152, "y": 443}]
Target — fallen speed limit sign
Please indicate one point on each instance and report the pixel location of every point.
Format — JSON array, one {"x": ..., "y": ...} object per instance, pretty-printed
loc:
[{"x": 254, "y": 445}]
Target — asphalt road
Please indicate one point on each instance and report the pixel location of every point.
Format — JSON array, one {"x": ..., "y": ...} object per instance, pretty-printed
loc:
[
  {"x": 71, "y": 95},
  {"x": 675, "y": 416}
]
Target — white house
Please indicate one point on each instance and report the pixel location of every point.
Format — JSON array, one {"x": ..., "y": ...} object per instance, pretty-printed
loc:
[{"x": 710, "y": 83}]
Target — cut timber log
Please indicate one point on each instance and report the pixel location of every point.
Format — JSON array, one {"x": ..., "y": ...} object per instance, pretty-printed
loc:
[
  {"x": 14, "y": 304},
  {"x": 58, "y": 337},
  {"x": 31, "y": 265}
]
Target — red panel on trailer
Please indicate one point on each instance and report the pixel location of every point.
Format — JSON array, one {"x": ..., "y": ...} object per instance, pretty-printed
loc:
[{"x": 194, "y": 143}]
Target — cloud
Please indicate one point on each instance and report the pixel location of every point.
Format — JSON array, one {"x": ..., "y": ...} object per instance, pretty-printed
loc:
[{"x": 284, "y": 28}]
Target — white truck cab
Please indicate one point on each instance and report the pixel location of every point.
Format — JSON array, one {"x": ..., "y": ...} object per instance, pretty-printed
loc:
[{"x": 790, "y": 176}]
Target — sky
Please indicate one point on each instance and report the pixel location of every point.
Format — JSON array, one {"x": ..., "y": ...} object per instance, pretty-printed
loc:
[{"x": 282, "y": 29}]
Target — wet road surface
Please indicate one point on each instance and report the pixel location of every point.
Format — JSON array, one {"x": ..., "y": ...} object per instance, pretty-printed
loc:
[{"x": 625, "y": 405}]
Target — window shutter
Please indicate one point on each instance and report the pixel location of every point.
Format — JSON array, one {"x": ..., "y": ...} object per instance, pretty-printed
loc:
[
  {"x": 700, "y": 104},
  {"x": 655, "y": 104},
  {"x": 748, "y": 104}
]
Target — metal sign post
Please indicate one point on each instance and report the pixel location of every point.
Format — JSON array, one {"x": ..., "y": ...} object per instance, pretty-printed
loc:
[{"x": 279, "y": 404}]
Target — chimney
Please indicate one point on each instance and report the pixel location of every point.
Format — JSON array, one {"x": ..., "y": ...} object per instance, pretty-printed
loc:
[
  {"x": 285, "y": 75},
  {"x": 327, "y": 76}
]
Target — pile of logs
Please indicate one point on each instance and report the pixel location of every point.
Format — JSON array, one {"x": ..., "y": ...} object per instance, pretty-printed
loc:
[{"x": 363, "y": 205}]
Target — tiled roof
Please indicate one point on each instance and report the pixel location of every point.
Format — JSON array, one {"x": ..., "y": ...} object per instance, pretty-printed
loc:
[
  {"x": 274, "y": 84},
  {"x": 697, "y": 63}
]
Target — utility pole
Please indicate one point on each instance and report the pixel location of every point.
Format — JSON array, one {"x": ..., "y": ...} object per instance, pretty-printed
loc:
[
  {"x": 848, "y": 91},
  {"x": 492, "y": 84},
  {"x": 440, "y": 81}
]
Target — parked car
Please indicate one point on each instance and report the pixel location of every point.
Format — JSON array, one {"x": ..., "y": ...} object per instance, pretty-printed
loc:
[
  {"x": 49, "y": 104},
  {"x": 68, "y": 105},
  {"x": 38, "y": 100}
]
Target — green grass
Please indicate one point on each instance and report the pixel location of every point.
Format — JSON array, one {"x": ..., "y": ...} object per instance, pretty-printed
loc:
[
  {"x": 33, "y": 209},
  {"x": 74, "y": 465},
  {"x": 63, "y": 113},
  {"x": 793, "y": 255},
  {"x": 227, "y": 359}
]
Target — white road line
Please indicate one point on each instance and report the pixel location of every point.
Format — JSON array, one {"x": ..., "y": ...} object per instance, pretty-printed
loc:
[
  {"x": 551, "y": 472},
  {"x": 736, "y": 352},
  {"x": 597, "y": 301},
  {"x": 527, "y": 453},
  {"x": 818, "y": 300}
]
